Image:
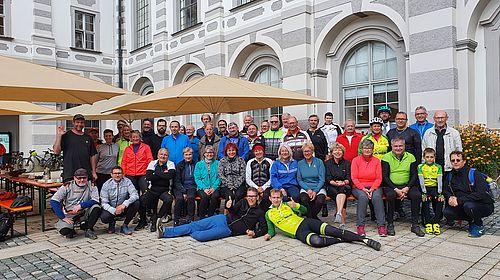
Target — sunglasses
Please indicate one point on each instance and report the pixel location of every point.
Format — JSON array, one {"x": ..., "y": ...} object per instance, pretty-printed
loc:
[{"x": 456, "y": 160}]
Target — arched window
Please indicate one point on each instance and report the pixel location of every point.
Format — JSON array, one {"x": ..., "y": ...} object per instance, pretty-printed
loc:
[
  {"x": 370, "y": 80},
  {"x": 267, "y": 75}
]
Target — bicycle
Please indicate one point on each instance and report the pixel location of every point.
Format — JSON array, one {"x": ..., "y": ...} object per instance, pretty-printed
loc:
[{"x": 49, "y": 159}]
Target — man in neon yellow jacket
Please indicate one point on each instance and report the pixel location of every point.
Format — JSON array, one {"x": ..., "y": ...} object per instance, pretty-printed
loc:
[{"x": 312, "y": 232}]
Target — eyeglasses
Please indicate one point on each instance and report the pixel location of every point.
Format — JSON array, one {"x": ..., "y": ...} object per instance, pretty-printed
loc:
[
  {"x": 81, "y": 178},
  {"x": 401, "y": 119},
  {"x": 274, "y": 121},
  {"x": 456, "y": 160},
  {"x": 252, "y": 196}
]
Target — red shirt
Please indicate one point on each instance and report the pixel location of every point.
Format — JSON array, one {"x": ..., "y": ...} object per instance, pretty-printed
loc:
[
  {"x": 366, "y": 173},
  {"x": 351, "y": 149}
]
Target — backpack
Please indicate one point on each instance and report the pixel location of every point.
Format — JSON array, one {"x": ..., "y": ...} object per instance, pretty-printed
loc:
[
  {"x": 6, "y": 222},
  {"x": 492, "y": 186},
  {"x": 21, "y": 201}
]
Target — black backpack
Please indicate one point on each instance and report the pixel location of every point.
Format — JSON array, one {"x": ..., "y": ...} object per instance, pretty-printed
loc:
[
  {"x": 6, "y": 222},
  {"x": 21, "y": 201}
]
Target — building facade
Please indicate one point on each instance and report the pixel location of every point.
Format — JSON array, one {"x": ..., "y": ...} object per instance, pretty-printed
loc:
[{"x": 362, "y": 54}]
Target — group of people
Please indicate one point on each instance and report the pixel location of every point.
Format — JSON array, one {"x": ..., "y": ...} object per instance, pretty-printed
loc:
[{"x": 269, "y": 176}]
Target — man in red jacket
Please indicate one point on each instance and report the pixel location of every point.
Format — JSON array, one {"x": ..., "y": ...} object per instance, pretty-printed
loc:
[{"x": 350, "y": 140}]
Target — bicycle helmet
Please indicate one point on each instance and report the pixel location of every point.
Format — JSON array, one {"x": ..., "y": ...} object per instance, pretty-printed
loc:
[
  {"x": 376, "y": 120},
  {"x": 384, "y": 108}
]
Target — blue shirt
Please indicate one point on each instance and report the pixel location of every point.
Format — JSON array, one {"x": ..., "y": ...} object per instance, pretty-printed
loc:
[
  {"x": 421, "y": 128},
  {"x": 240, "y": 141},
  {"x": 175, "y": 146},
  {"x": 311, "y": 177},
  {"x": 193, "y": 143}
]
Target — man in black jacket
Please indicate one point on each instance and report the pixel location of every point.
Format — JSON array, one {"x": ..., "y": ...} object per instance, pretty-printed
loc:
[
  {"x": 244, "y": 218},
  {"x": 467, "y": 195},
  {"x": 318, "y": 138},
  {"x": 413, "y": 142}
]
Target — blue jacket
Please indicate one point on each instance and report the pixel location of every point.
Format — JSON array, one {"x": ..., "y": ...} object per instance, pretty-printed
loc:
[
  {"x": 284, "y": 176},
  {"x": 201, "y": 177},
  {"x": 421, "y": 128},
  {"x": 194, "y": 144},
  {"x": 175, "y": 146},
  {"x": 240, "y": 141},
  {"x": 311, "y": 177}
]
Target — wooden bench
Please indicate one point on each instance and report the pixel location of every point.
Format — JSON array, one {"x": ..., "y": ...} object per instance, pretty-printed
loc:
[{"x": 18, "y": 210}]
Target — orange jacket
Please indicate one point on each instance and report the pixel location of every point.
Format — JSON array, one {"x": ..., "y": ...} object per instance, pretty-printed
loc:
[{"x": 136, "y": 164}]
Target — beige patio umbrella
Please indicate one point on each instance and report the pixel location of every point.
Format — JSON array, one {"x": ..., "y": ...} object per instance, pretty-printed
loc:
[
  {"x": 95, "y": 111},
  {"x": 24, "y": 81},
  {"x": 16, "y": 108},
  {"x": 218, "y": 94}
]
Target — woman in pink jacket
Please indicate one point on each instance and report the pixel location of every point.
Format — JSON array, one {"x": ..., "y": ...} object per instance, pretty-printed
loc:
[{"x": 366, "y": 174}]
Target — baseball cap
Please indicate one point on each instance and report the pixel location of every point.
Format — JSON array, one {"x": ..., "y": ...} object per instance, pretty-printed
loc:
[
  {"x": 80, "y": 172},
  {"x": 78, "y": 117}
]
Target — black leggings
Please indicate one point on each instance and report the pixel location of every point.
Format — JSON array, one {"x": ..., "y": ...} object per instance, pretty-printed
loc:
[
  {"x": 149, "y": 200},
  {"x": 208, "y": 203},
  {"x": 180, "y": 204},
  {"x": 315, "y": 233},
  {"x": 313, "y": 206},
  {"x": 101, "y": 179},
  {"x": 129, "y": 214},
  {"x": 437, "y": 207},
  {"x": 140, "y": 183},
  {"x": 236, "y": 194}
]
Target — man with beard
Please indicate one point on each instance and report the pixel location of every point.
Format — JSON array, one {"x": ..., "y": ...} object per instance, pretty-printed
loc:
[
  {"x": 384, "y": 112},
  {"x": 78, "y": 149}
]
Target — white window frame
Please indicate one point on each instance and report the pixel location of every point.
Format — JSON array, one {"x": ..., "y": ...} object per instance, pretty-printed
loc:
[
  {"x": 237, "y": 3},
  {"x": 6, "y": 15},
  {"x": 370, "y": 84},
  {"x": 95, "y": 32},
  {"x": 146, "y": 37},
  {"x": 264, "y": 114}
]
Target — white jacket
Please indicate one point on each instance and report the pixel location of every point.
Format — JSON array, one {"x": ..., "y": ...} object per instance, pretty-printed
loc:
[{"x": 452, "y": 142}]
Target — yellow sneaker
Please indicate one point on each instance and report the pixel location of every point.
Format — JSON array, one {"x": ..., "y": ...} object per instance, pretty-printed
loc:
[
  {"x": 437, "y": 229},
  {"x": 428, "y": 229}
]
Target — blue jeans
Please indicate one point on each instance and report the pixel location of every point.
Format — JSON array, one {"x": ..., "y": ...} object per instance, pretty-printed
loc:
[
  {"x": 294, "y": 192},
  {"x": 211, "y": 228}
]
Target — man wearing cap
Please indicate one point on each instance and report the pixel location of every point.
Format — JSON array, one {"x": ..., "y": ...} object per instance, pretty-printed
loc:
[
  {"x": 384, "y": 112},
  {"x": 77, "y": 200},
  {"x": 94, "y": 134},
  {"x": 78, "y": 149}
]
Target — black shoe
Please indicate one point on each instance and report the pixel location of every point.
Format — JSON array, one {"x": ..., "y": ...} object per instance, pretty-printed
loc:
[
  {"x": 324, "y": 211},
  {"x": 416, "y": 229},
  {"x": 90, "y": 234},
  {"x": 390, "y": 230},
  {"x": 154, "y": 222},
  {"x": 372, "y": 244},
  {"x": 141, "y": 225}
]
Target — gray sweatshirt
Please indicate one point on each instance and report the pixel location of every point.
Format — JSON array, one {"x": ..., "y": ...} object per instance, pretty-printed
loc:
[
  {"x": 116, "y": 193},
  {"x": 72, "y": 194},
  {"x": 107, "y": 155}
]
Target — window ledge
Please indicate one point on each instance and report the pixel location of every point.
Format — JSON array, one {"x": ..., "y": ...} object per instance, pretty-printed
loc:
[
  {"x": 187, "y": 29},
  {"x": 6, "y": 38},
  {"x": 246, "y": 5},
  {"x": 85, "y": 50},
  {"x": 145, "y": 47}
]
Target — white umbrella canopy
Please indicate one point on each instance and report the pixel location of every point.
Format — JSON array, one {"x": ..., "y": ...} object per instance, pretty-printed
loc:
[
  {"x": 25, "y": 81},
  {"x": 95, "y": 111},
  {"x": 16, "y": 108},
  {"x": 219, "y": 94}
]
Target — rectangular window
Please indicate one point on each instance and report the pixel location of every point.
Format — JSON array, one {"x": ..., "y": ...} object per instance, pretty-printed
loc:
[
  {"x": 142, "y": 23},
  {"x": 84, "y": 30},
  {"x": 188, "y": 12},
  {"x": 2, "y": 18}
]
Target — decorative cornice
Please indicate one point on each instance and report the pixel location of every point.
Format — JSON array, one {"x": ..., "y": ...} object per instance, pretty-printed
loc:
[
  {"x": 320, "y": 73},
  {"x": 466, "y": 44}
]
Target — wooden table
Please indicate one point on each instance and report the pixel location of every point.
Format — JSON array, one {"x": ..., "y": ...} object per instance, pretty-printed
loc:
[{"x": 23, "y": 183}]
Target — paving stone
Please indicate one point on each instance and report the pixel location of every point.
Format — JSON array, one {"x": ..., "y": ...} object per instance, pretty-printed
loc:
[
  {"x": 436, "y": 267},
  {"x": 459, "y": 251}
]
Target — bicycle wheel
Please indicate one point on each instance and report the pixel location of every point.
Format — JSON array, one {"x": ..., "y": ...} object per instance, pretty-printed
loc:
[{"x": 28, "y": 164}]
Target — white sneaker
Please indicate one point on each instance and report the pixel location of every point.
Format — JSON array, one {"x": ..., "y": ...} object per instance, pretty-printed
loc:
[{"x": 338, "y": 218}]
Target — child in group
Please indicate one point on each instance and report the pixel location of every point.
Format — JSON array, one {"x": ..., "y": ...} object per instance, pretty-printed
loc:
[{"x": 430, "y": 175}]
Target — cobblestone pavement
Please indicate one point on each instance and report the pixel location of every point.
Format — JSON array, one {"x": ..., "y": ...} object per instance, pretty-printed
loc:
[{"x": 451, "y": 255}]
